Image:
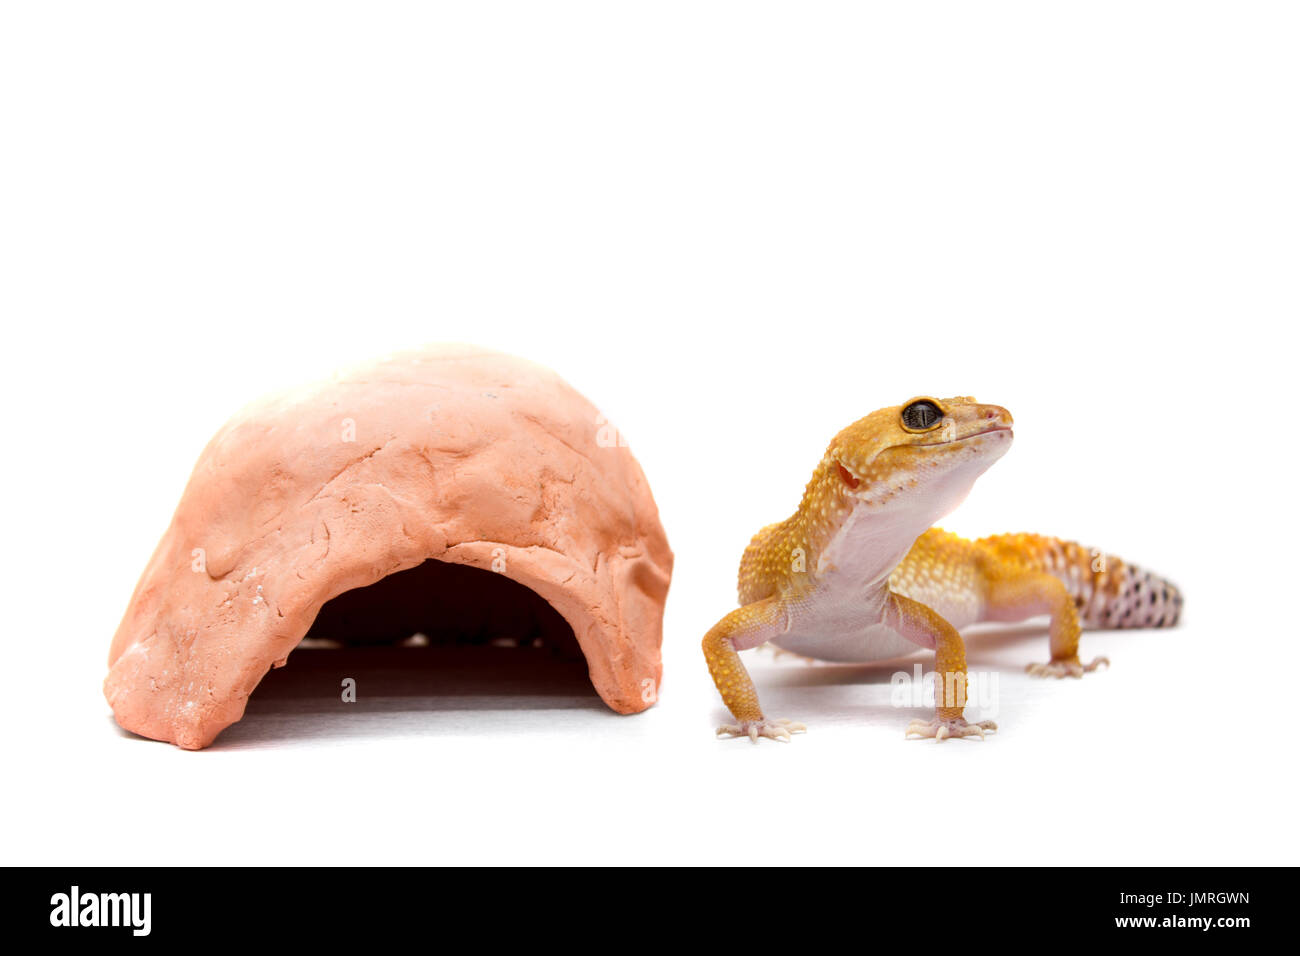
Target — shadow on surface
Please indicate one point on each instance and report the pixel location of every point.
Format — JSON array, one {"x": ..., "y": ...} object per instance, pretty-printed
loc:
[
  {"x": 406, "y": 690},
  {"x": 983, "y": 647}
]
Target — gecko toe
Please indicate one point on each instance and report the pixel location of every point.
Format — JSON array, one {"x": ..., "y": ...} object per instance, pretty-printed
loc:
[
  {"x": 1065, "y": 667},
  {"x": 755, "y": 730},
  {"x": 942, "y": 730}
]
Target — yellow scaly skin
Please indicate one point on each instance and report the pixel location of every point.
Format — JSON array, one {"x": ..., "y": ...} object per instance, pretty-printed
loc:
[{"x": 858, "y": 573}]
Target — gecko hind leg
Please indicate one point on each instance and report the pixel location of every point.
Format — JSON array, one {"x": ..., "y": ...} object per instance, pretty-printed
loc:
[{"x": 1016, "y": 596}]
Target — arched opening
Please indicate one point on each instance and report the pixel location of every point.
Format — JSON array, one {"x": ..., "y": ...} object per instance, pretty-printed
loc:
[
  {"x": 445, "y": 604},
  {"x": 434, "y": 638}
]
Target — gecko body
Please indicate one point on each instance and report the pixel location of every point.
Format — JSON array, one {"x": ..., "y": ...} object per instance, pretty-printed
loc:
[{"x": 859, "y": 573}]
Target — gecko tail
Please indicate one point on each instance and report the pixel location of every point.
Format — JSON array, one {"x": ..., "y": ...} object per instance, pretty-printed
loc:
[{"x": 1108, "y": 592}]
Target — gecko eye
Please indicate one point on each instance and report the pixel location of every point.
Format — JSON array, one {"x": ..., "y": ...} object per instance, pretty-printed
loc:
[{"x": 920, "y": 416}]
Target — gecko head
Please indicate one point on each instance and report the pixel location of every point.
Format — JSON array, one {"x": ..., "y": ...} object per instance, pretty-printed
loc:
[{"x": 925, "y": 453}]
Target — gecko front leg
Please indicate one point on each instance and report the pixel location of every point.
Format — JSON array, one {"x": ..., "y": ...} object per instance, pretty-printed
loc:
[
  {"x": 740, "y": 630},
  {"x": 921, "y": 625}
]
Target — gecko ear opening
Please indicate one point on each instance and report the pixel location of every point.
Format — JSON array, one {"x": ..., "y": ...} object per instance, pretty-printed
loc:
[{"x": 847, "y": 476}]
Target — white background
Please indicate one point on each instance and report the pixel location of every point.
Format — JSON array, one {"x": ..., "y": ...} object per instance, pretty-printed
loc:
[{"x": 736, "y": 227}]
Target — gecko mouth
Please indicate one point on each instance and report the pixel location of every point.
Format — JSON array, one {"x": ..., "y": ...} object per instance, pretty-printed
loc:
[{"x": 966, "y": 438}]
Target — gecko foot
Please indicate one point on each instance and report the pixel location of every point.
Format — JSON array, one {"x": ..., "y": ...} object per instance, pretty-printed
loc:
[
  {"x": 943, "y": 729},
  {"x": 753, "y": 729},
  {"x": 1069, "y": 667}
]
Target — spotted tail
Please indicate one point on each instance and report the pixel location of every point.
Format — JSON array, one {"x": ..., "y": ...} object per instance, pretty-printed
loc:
[{"x": 1107, "y": 591}]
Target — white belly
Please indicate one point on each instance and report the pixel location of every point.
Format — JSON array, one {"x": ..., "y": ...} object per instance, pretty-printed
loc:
[
  {"x": 841, "y": 615},
  {"x": 838, "y": 621},
  {"x": 875, "y": 642},
  {"x": 840, "y": 618}
]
